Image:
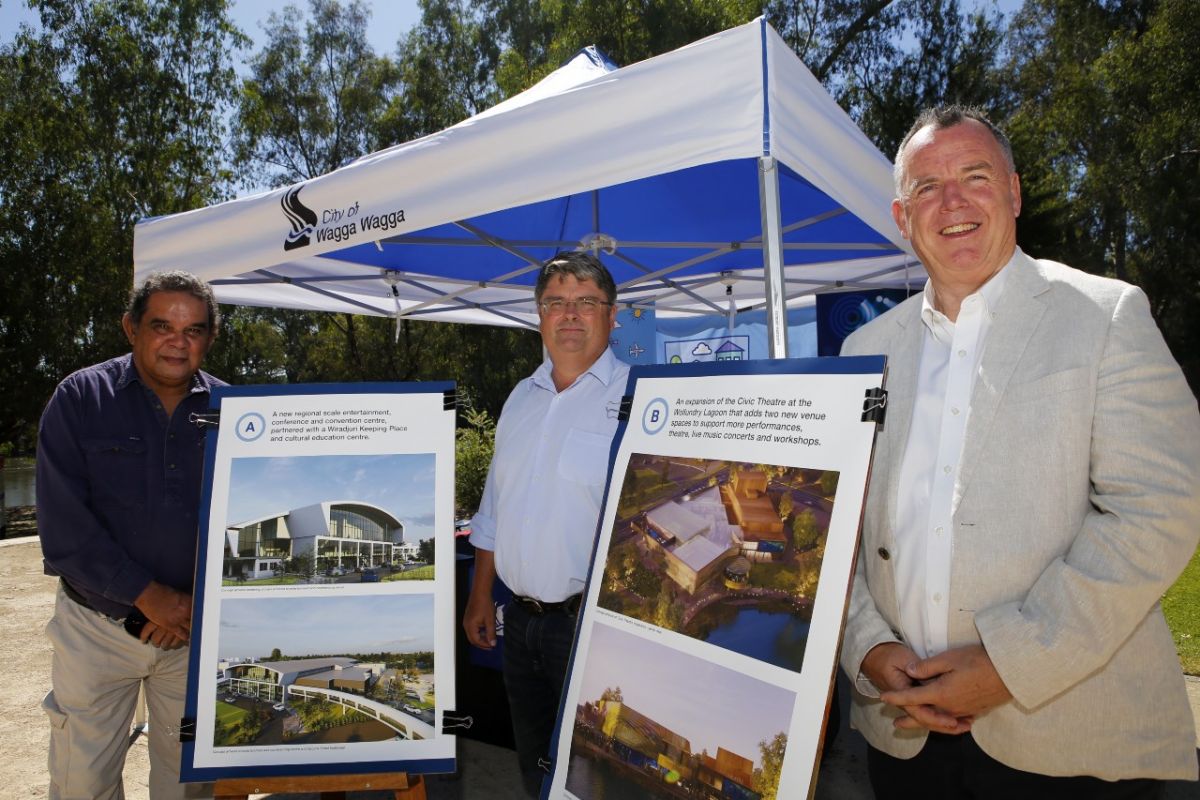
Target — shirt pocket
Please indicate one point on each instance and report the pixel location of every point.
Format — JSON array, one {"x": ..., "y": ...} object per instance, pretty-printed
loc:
[
  {"x": 584, "y": 457},
  {"x": 116, "y": 470}
]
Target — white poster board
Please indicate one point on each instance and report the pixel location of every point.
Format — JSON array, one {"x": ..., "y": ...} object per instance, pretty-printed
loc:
[
  {"x": 324, "y": 621},
  {"x": 712, "y": 619}
]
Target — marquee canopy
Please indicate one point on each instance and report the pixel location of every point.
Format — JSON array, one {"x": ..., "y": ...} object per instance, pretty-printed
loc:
[{"x": 721, "y": 171}]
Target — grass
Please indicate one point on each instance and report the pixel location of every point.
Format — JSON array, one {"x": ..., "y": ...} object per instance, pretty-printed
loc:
[
  {"x": 278, "y": 580},
  {"x": 230, "y": 714},
  {"x": 1181, "y": 605},
  {"x": 424, "y": 573}
]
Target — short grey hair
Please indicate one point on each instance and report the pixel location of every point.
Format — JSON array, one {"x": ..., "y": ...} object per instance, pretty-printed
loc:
[
  {"x": 584, "y": 266},
  {"x": 941, "y": 117},
  {"x": 173, "y": 281}
]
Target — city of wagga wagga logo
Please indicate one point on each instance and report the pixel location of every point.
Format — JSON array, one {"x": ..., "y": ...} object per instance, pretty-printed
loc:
[
  {"x": 300, "y": 216},
  {"x": 335, "y": 225}
]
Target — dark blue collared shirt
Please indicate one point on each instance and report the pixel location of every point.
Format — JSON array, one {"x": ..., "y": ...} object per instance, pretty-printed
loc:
[{"x": 118, "y": 484}]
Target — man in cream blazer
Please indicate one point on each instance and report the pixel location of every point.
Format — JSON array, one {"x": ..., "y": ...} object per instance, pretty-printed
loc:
[{"x": 1034, "y": 492}]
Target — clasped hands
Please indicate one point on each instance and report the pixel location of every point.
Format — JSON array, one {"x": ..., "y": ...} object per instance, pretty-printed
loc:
[
  {"x": 169, "y": 615},
  {"x": 944, "y": 693}
]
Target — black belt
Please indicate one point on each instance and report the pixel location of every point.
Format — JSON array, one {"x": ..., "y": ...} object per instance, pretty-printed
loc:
[
  {"x": 533, "y": 606},
  {"x": 73, "y": 593}
]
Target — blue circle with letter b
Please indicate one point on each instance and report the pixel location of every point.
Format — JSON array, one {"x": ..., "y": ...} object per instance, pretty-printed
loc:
[{"x": 654, "y": 418}]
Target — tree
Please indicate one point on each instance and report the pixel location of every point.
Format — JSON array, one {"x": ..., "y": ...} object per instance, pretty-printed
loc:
[
  {"x": 276, "y": 655},
  {"x": 474, "y": 445},
  {"x": 314, "y": 98},
  {"x": 786, "y": 503},
  {"x": 766, "y": 777},
  {"x": 1107, "y": 135},
  {"x": 110, "y": 113},
  {"x": 425, "y": 551},
  {"x": 828, "y": 482}
]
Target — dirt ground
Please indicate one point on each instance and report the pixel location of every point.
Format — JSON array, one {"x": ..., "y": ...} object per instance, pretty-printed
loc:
[{"x": 26, "y": 602}]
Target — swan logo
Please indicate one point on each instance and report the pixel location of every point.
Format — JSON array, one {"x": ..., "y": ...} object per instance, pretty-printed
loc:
[{"x": 300, "y": 216}]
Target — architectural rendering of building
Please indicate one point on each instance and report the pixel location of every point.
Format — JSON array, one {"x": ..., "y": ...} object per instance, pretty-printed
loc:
[
  {"x": 639, "y": 742},
  {"x": 698, "y": 538},
  {"x": 334, "y": 534},
  {"x": 270, "y": 680}
]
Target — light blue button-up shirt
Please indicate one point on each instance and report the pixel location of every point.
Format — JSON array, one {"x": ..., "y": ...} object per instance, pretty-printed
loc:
[{"x": 541, "y": 502}]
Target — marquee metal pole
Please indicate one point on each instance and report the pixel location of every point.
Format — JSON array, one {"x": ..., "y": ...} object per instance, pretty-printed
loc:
[{"x": 772, "y": 255}]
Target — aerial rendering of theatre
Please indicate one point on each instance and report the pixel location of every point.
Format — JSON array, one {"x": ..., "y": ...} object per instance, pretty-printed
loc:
[
  {"x": 334, "y": 534},
  {"x": 699, "y": 538}
]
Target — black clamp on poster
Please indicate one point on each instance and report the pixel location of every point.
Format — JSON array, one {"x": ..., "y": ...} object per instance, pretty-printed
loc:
[
  {"x": 875, "y": 406},
  {"x": 625, "y": 408},
  {"x": 449, "y": 400},
  {"x": 207, "y": 418},
  {"x": 187, "y": 729},
  {"x": 451, "y": 720}
]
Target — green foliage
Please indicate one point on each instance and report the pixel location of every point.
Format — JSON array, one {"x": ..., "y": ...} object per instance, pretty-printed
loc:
[
  {"x": 425, "y": 551},
  {"x": 766, "y": 777},
  {"x": 828, "y": 482},
  {"x": 112, "y": 112},
  {"x": 314, "y": 97},
  {"x": 474, "y": 444},
  {"x": 1107, "y": 134}
]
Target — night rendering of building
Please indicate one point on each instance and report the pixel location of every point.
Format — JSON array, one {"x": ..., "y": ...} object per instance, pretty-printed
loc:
[{"x": 334, "y": 534}]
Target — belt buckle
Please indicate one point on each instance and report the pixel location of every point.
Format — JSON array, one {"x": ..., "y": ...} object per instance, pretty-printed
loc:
[{"x": 533, "y": 604}]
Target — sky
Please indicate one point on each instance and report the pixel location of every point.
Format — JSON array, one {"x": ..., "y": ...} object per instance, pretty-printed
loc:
[
  {"x": 402, "y": 485},
  {"x": 709, "y": 704},
  {"x": 389, "y": 18},
  {"x": 310, "y": 626}
]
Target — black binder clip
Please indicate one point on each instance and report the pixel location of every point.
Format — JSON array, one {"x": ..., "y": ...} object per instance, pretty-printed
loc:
[
  {"x": 449, "y": 400},
  {"x": 625, "y": 408},
  {"x": 450, "y": 721},
  {"x": 187, "y": 730},
  {"x": 200, "y": 420},
  {"x": 875, "y": 406}
]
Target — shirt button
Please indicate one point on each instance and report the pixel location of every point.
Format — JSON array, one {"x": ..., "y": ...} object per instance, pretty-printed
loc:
[
  {"x": 937, "y": 597},
  {"x": 170, "y": 466},
  {"x": 938, "y": 530},
  {"x": 946, "y": 469},
  {"x": 883, "y": 553},
  {"x": 962, "y": 353},
  {"x": 954, "y": 411}
]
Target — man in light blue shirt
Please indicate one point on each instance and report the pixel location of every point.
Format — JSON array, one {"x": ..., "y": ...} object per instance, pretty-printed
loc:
[{"x": 537, "y": 521}]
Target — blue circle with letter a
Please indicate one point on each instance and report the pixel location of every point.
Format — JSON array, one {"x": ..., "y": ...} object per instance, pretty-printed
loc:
[
  {"x": 654, "y": 418},
  {"x": 250, "y": 426}
]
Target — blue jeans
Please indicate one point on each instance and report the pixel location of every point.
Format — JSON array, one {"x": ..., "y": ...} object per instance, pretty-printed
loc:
[{"x": 537, "y": 652}]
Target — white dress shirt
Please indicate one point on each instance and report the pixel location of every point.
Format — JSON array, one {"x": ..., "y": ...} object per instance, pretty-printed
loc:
[
  {"x": 541, "y": 502},
  {"x": 950, "y": 356}
]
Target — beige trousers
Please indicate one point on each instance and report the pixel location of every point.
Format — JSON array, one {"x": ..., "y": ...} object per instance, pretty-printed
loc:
[{"x": 96, "y": 672}]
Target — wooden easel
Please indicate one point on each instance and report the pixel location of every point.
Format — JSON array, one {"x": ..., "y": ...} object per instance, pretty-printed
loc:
[{"x": 329, "y": 787}]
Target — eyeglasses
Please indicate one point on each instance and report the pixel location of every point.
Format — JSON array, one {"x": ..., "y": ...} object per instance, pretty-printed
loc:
[{"x": 584, "y": 306}]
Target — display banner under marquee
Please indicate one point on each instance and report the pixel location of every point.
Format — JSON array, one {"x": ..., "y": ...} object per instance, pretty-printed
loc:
[
  {"x": 324, "y": 619},
  {"x": 708, "y": 636}
]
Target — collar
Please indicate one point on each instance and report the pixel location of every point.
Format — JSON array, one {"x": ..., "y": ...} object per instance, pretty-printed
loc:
[
  {"x": 987, "y": 295},
  {"x": 127, "y": 374},
  {"x": 602, "y": 369}
]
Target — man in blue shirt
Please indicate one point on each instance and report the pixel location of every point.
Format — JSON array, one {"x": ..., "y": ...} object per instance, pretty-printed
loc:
[
  {"x": 541, "y": 503},
  {"x": 119, "y": 467}
]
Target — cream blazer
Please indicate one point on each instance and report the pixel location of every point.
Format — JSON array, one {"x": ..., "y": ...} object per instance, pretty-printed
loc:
[{"x": 1077, "y": 505}]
